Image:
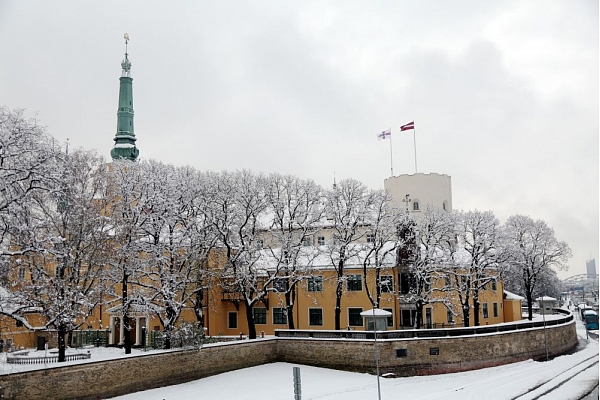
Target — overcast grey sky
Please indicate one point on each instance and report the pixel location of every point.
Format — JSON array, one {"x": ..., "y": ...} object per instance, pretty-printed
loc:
[{"x": 504, "y": 94}]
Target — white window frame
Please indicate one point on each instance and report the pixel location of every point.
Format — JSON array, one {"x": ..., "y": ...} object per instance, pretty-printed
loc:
[{"x": 315, "y": 308}]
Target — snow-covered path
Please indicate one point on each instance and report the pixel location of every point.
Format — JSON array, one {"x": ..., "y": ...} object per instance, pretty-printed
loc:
[{"x": 572, "y": 376}]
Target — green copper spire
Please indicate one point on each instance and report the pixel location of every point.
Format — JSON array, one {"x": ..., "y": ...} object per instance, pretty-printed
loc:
[{"x": 125, "y": 138}]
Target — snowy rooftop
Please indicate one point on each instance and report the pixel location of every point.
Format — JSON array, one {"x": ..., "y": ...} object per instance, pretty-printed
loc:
[{"x": 511, "y": 296}]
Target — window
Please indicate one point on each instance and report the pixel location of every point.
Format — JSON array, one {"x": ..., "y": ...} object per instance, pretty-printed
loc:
[
  {"x": 315, "y": 316},
  {"x": 370, "y": 238},
  {"x": 355, "y": 283},
  {"x": 354, "y": 317},
  {"x": 449, "y": 316},
  {"x": 495, "y": 310},
  {"x": 306, "y": 241},
  {"x": 447, "y": 281},
  {"x": 315, "y": 284},
  {"x": 321, "y": 240},
  {"x": 427, "y": 284},
  {"x": 494, "y": 285},
  {"x": 390, "y": 319},
  {"x": 21, "y": 273},
  {"x": 279, "y": 316},
  {"x": 428, "y": 318},
  {"x": 485, "y": 310},
  {"x": 280, "y": 285},
  {"x": 405, "y": 283},
  {"x": 415, "y": 206},
  {"x": 260, "y": 315},
  {"x": 232, "y": 320},
  {"x": 386, "y": 283}
]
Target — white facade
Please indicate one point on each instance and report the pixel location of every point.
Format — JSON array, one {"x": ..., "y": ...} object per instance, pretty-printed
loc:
[{"x": 417, "y": 191}]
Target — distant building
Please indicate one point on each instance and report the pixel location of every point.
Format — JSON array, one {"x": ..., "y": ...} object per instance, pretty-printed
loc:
[
  {"x": 417, "y": 191},
  {"x": 590, "y": 266}
]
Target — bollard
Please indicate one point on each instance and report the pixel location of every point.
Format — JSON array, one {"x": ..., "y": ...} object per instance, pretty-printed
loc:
[
  {"x": 297, "y": 384},
  {"x": 262, "y": 334}
]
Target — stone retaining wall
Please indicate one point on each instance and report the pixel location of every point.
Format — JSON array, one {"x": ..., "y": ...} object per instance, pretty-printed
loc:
[
  {"x": 99, "y": 380},
  {"x": 399, "y": 356},
  {"x": 407, "y": 357}
]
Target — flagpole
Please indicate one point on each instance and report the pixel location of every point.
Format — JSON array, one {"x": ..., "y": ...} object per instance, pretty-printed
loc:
[
  {"x": 415, "y": 145},
  {"x": 391, "y": 159}
]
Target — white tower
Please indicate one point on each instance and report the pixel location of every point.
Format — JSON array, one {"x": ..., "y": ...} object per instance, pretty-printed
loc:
[{"x": 417, "y": 191}]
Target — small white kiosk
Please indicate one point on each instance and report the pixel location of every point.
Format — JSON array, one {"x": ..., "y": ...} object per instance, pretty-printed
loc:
[
  {"x": 376, "y": 319},
  {"x": 546, "y": 304}
]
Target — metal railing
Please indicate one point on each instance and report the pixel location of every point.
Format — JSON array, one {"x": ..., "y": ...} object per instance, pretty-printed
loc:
[
  {"x": 45, "y": 360},
  {"x": 98, "y": 338},
  {"x": 423, "y": 333}
]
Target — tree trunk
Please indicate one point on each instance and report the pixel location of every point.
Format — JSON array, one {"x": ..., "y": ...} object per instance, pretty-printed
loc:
[
  {"x": 466, "y": 315},
  {"x": 338, "y": 305},
  {"x": 167, "y": 334},
  {"x": 419, "y": 317},
  {"x": 169, "y": 327},
  {"x": 476, "y": 306},
  {"x": 61, "y": 343},
  {"x": 289, "y": 301},
  {"x": 529, "y": 305},
  {"x": 125, "y": 307},
  {"x": 198, "y": 308},
  {"x": 250, "y": 319}
]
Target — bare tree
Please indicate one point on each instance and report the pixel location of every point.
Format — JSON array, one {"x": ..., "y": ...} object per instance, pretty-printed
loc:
[
  {"x": 26, "y": 159},
  {"x": 173, "y": 252},
  {"x": 346, "y": 207},
  {"x": 128, "y": 212},
  {"x": 383, "y": 220},
  {"x": 479, "y": 258},
  {"x": 534, "y": 252},
  {"x": 65, "y": 267},
  {"x": 294, "y": 212},
  {"x": 434, "y": 235},
  {"x": 238, "y": 217}
]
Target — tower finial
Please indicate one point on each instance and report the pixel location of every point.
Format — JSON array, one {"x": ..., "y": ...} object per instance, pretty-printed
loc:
[{"x": 126, "y": 64}]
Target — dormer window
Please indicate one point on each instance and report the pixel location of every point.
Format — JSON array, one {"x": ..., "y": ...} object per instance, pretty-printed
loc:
[{"x": 370, "y": 238}]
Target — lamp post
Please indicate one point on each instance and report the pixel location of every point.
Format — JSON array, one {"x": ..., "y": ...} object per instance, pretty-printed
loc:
[
  {"x": 376, "y": 354},
  {"x": 544, "y": 318}
]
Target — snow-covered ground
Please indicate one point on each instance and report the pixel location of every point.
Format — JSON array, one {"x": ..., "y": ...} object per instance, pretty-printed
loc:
[{"x": 570, "y": 377}]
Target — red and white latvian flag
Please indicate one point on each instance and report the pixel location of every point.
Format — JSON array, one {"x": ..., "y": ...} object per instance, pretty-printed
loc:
[
  {"x": 408, "y": 127},
  {"x": 384, "y": 134}
]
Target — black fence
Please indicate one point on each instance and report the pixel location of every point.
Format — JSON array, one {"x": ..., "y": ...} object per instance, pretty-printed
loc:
[{"x": 89, "y": 337}]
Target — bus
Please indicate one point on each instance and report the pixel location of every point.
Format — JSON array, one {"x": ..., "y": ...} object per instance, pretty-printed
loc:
[{"x": 591, "y": 320}]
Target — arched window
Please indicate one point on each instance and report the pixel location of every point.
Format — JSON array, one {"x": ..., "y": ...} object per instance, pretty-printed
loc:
[{"x": 415, "y": 206}]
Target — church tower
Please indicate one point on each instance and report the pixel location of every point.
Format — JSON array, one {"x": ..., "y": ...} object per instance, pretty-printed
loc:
[{"x": 125, "y": 138}]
